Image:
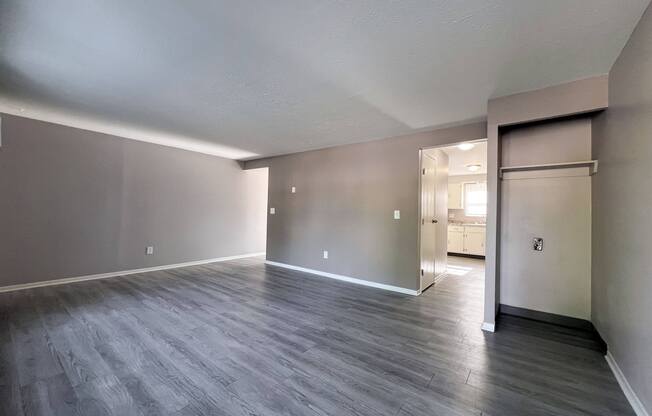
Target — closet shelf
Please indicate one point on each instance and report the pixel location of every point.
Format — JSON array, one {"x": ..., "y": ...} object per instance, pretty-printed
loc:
[{"x": 591, "y": 164}]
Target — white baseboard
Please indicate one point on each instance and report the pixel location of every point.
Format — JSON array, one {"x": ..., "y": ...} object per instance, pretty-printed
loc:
[
  {"x": 345, "y": 278},
  {"x": 624, "y": 384},
  {"x": 122, "y": 273},
  {"x": 486, "y": 326},
  {"x": 440, "y": 277}
]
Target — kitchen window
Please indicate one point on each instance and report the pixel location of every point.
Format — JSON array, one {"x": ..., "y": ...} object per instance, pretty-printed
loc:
[{"x": 475, "y": 199}]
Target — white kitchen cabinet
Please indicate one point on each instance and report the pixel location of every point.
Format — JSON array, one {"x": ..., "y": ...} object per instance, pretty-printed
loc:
[
  {"x": 467, "y": 239},
  {"x": 474, "y": 238},
  {"x": 455, "y": 239},
  {"x": 455, "y": 191}
]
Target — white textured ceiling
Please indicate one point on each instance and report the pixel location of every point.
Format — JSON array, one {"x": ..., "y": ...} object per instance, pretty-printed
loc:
[{"x": 250, "y": 78}]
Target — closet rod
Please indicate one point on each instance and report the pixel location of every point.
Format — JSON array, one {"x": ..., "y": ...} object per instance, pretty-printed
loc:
[{"x": 592, "y": 164}]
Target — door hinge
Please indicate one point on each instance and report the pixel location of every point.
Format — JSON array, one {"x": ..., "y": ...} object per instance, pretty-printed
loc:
[
  {"x": 421, "y": 272},
  {"x": 424, "y": 171}
]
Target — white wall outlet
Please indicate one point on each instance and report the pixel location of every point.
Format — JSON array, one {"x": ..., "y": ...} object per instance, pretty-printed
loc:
[
  {"x": 325, "y": 254},
  {"x": 397, "y": 214},
  {"x": 272, "y": 211},
  {"x": 294, "y": 189},
  {"x": 149, "y": 250}
]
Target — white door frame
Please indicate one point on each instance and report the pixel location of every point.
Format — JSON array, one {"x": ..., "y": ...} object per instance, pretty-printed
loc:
[{"x": 420, "y": 154}]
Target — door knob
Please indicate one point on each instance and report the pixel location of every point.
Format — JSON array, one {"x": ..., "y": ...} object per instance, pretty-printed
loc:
[{"x": 435, "y": 221}]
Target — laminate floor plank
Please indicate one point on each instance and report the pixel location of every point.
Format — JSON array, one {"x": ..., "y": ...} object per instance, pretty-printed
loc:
[
  {"x": 246, "y": 338},
  {"x": 77, "y": 355},
  {"x": 151, "y": 382},
  {"x": 52, "y": 396},
  {"x": 10, "y": 395},
  {"x": 35, "y": 356}
]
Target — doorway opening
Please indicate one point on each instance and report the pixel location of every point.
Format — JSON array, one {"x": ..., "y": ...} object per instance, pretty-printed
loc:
[
  {"x": 453, "y": 212},
  {"x": 256, "y": 189}
]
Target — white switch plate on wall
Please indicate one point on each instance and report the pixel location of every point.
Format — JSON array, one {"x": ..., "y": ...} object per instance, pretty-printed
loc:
[
  {"x": 272, "y": 211},
  {"x": 397, "y": 214},
  {"x": 325, "y": 254},
  {"x": 149, "y": 250},
  {"x": 294, "y": 190}
]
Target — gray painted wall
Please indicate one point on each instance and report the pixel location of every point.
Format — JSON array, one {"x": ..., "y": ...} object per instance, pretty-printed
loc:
[
  {"x": 576, "y": 97},
  {"x": 554, "y": 205},
  {"x": 622, "y": 197},
  {"x": 555, "y": 141},
  {"x": 344, "y": 203},
  {"x": 75, "y": 203}
]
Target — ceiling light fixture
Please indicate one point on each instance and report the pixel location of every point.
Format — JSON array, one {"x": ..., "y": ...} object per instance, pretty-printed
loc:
[
  {"x": 465, "y": 146},
  {"x": 474, "y": 167}
]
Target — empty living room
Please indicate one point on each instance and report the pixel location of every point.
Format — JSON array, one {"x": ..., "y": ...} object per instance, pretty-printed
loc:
[{"x": 325, "y": 208}]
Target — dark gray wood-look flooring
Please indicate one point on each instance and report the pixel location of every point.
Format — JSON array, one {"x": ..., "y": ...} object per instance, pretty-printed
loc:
[{"x": 243, "y": 338}]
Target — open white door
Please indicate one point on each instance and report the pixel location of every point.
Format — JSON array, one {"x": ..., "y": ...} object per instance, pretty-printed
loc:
[
  {"x": 434, "y": 216},
  {"x": 428, "y": 220}
]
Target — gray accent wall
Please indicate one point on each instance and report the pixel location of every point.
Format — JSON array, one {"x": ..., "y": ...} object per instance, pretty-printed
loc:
[
  {"x": 577, "y": 97},
  {"x": 75, "y": 203},
  {"x": 622, "y": 198},
  {"x": 551, "y": 204},
  {"x": 344, "y": 203}
]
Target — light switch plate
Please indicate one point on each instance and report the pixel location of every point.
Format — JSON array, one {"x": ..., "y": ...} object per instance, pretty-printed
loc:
[
  {"x": 294, "y": 190},
  {"x": 325, "y": 254},
  {"x": 272, "y": 211},
  {"x": 149, "y": 250},
  {"x": 397, "y": 214}
]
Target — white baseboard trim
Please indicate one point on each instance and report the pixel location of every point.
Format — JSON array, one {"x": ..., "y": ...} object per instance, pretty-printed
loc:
[
  {"x": 345, "y": 278},
  {"x": 122, "y": 273},
  {"x": 624, "y": 384},
  {"x": 486, "y": 326}
]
